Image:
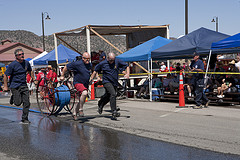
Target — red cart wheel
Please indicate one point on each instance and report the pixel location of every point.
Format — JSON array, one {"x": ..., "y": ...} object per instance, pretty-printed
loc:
[
  {"x": 46, "y": 97},
  {"x": 70, "y": 86}
]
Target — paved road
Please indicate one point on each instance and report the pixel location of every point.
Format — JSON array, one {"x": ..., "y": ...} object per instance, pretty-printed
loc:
[{"x": 214, "y": 129}]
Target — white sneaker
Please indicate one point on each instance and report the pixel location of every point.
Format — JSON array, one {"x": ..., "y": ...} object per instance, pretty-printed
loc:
[{"x": 220, "y": 96}]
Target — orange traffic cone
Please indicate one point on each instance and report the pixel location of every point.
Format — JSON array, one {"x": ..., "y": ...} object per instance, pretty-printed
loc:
[
  {"x": 181, "y": 92},
  {"x": 92, "y": 92}
]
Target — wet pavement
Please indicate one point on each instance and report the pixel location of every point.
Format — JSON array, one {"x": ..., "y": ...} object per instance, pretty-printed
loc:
[
  {"x": 91, "y": 137},
  {"x": 56, "y": 138}
]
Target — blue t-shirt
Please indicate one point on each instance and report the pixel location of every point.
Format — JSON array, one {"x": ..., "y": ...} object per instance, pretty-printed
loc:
[
  {"x": 81, "y": 72},
  {"x": 110, "y": 71},
  {"x": 17, "y": 72},
  {"x": 198, "y": 65}
]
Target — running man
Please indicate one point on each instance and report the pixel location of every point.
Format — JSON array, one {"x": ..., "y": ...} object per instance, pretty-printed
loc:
[
  {"x": 18, "y": 84},
  {"x": 81, "y": 71},
  {"x": 110, "y": 68}
]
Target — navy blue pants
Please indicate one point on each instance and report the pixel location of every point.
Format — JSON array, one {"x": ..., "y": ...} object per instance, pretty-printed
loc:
[
  {"x": 110, "y": 95},
  {"x": 21, "y": 96},
  {"x": 201, "y": 98}
]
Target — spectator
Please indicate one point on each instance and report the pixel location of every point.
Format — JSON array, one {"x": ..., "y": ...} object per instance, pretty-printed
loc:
[
  {"x": 189, "y": 85},
  {"x": 1, "y": 85},
  {"x": 227, "y": 86},
  {"x": 166, "y": 81},
  {"x": 156, "y": 83},
  {"x": 178, "y": 67},
  {"x": 40, "y": 77},
  {"x": 238, "y": 62},
  {"x": 30, "y": 83},
  {"x": 102, "y": 55},
  {"x": 163, "y": 67},
  {"x": 174, "y": 84}
]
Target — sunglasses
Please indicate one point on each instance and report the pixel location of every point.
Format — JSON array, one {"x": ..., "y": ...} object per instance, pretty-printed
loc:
[
  {"x": 111, "y": 60},
  {"x": 20, "y": 54},
  {"x": 86, "y": 58}
]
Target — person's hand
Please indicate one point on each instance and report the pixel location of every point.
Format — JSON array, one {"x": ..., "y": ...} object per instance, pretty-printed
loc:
[
  {"x": 192, "y": 69},
  {"x": 62, "y": 78},
  {"x": 99, "y": 79},
  {"x": 126, "y": 76},
  {"x": 5, "y": 89}
]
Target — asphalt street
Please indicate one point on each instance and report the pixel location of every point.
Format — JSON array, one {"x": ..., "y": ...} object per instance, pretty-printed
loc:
[{"x": 145, "y": 130}]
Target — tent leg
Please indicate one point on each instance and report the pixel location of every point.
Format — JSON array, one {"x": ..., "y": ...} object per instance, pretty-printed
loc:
[
  {"x": 150, "y": 79},
  {"x": 209, "y": 57}
]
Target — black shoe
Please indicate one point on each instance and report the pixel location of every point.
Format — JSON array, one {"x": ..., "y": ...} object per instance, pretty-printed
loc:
[
  {"x": 138, "y": 96},
  {"x": 118, "y": 109},
  {"x": 100, "y": 108},
  {"x": 115, "y": 115},
  {"x": 11, "y": 100},
  {"x": 25, "y": 122}
]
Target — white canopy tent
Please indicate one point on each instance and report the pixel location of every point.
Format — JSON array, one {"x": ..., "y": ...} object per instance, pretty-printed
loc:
[{"x": 37, "y": 57}]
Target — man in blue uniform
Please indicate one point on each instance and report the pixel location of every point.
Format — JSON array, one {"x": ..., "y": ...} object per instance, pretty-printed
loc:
[
  {"x": 197, "y": 65},
  {"x": 110, "y": 68},
  {"x": 18, "y": 85},
  {"x": 81, "y": 71}
]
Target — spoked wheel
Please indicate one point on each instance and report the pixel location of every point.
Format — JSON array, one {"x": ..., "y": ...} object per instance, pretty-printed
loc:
[
  {"x": 70, "y": 86},
  {"x": 46, "y": 97}
]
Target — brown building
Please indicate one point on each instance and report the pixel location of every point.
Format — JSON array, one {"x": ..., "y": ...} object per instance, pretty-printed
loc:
[{"x": 7, "y": 49}]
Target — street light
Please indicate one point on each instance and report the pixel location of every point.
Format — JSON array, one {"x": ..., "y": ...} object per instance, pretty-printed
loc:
[
  {"x": 213, "y": 20},
  {"x": 47, "y": 18}
]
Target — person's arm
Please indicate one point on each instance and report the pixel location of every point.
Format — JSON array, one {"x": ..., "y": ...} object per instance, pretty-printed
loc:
[
  {"x": 197, "y": 70},
  {"x": 126, "y": 72},
  {"x": 32, "y": 76},
  {"x": 63, "y": 72},
  {"x": 5, "y": 80},
  {"x": 92, "y": 76}
]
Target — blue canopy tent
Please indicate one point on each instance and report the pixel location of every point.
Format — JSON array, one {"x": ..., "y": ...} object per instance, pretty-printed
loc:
[
  {"x": 230, "y": 42},
  {"x": 199, "y": 40},
  {"x": 28, "y": 59},
  {"x": 143, "y": 51},
  {"x": 228, "y": 45},
  {"x": 64, "y": 55}
]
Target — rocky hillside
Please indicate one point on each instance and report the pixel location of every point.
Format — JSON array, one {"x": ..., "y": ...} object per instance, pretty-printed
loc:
[{"x": 79, "y": 43}]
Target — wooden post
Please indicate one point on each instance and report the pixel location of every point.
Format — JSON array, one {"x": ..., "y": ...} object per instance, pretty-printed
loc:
[
  {"x": 105, "y": 40},
  {"x": 88, "y": 40},
  {"x": 56, "y": 51},
  {"x": 117, "y": 49}
]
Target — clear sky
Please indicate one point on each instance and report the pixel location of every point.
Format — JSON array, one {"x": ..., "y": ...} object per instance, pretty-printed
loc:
[{"x": 71, "y": 14}]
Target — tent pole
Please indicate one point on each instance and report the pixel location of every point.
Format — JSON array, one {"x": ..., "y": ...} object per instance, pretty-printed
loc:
[
  {"x": 88, "y": 40},
  {"x": 56, "y": 51},
  {"x": 168, "y": 65},
  {"x": 150, "y": 87},
  {"x": 209, "y": 57}
]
